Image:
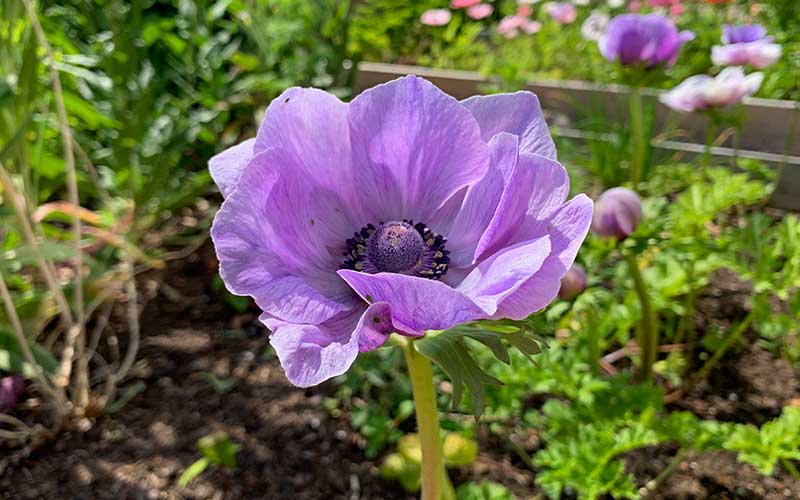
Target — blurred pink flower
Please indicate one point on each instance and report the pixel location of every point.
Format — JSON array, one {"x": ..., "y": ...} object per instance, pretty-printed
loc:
[
  {"x": 480, "y": 11},
  {"x": 463, "y": 4},
  {"x": 562, "y": 12},
  {"x": 435, "y": 17},
  {"x": 510, "y": 26},
  {"x": 635, "y": 6},
  {"x": 524, "y": 11},
  {"x": 676, "y": 9}
]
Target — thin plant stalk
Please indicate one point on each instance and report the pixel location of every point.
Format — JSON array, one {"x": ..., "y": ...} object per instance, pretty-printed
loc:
[
  {"x": 711, "y": 135},
  {"x": 639, "y": 137},
  {"x": 27, "y": 353},
  {"x": 648, "y": 330},
  {"x": 726, "y": 344},
  {"x": 82, "y": 369},
  {"x": 435, "y": 482}
]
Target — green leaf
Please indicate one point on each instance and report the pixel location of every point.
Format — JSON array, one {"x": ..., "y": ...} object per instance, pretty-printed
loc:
[
  {"x": 220, "y": 385},
  {"x": 13, "y": 361},
  {"x": 450, "y": 351},
  {"x": 485, "y": 490},
  {"x": 219, "y": 449},
  {"x": 193, "y": 471},
  {"x": 130, "y": 393}
]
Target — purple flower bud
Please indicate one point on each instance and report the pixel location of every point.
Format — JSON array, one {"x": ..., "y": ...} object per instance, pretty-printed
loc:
[
  {"x": 617, "y": 213},
  {"x": 573, "y": 283},
  {"x": 647, "y": 40},
  {"x": 11, "y": 388}
]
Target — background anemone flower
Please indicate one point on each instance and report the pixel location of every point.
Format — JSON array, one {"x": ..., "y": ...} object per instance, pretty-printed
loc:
[
  {"x": 647, "y": 40},
  {"x": 595, "y": 26},
  {"x": 561, "y": 12},
  {"x": 746, "y": 45},
  {"x": 480, "y": 11},
  {"x": 617, "y": 213},
  {"x": 703, "y": 92},
  {"x": 435, "y": 17},
  {"x": 403, "y": 211}
]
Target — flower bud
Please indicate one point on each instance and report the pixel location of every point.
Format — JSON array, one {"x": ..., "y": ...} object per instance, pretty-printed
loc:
[
  {"x": 617, "y": 213},
  {"x": 573, "y": 283},
  {"x": 11, "y": 388}
]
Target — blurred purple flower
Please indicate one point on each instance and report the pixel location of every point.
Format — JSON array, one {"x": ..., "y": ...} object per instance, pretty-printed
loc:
[
  {"x": 435, "y": 17},
  {"x": 402, "y": 211},
  {"x": 703, "y": 92},
  {"x": 617, "y": 213},
  {"x": 746, "y": 45},
  {"x": 646, "y": 40},
  {"x": 561, "y": 12},
  {"x": 11, "y": 388},
  {"x": 743, "y": 34},
  {"x": 573, "y": 283}
]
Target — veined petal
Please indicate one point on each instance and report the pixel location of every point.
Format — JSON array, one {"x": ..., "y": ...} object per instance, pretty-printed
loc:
[
  {"x": 311, "y": 354},
  {"x": 256, "y": 260},
  {"x": 519, "y": 114},
  {"x": 310, "y": 127},
  {"x": 502, "y": 274},
  {"x": 227, "y": 166},
  {"x": 375, "y": 326},
  {"x": 482, "y": 198},
  {"x": 536, "y": 187},
  {"x": 413, "y": 148},
  {"x": 567, "y": 228},
  {"x": 417, "y": 304}
]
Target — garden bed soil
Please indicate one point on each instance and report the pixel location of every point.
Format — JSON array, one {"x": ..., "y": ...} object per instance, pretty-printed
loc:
[{"x": 292, "y": 448}]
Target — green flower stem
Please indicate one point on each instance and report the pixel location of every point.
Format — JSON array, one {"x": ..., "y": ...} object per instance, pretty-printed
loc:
[
  {"x": 435, "y": 482},
  {"x": 711, "y": 134},
  {"x": 639, "y": 138},
  {"x": 729, "y": 341},
  {"x": 648, "y": 330}
]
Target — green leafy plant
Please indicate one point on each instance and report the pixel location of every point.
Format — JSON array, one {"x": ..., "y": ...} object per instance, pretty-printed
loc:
[
  {"x": 217, "y": 449},
  {"x": 776, "y": 441}
]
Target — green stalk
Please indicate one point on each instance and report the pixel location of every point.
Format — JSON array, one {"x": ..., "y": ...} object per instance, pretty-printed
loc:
[
  {"x": 647, "y": 333},
  {"x": 435, "y": 482},
  {"x": 711, "y": 134},
  {"x": 639, "y": 139},
  {"x": 723, "y": 348}
]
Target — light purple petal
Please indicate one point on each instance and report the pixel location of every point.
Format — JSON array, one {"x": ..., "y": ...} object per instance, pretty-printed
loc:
[
  {"x": 482, "y": 199},
  {"x": 502, "y": 274},
  {"x": 227, "y": 166},
  {"x": 311, "y": 354},
  {"x": 374, "y": 327},
  {"x": 254, "y": 259},
  {"x": 742, "y": 34},
  {"x": 310, "y": 127},
  {"x": 413, "y": 148},
  {"x": 519, "y": 114},
  {"x": 418, "y": 304},
  {"x": 567, "y": 229}
]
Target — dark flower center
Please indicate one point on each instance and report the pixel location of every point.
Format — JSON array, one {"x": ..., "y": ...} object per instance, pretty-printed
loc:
[{"x": 397, "y": 247}]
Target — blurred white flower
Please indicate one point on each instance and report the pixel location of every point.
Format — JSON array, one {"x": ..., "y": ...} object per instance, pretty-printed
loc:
[
  {"x": 594, "y": 27},
  {"x": 702, "y": 91}
]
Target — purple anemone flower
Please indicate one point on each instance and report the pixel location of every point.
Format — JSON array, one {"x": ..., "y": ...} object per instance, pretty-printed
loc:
[
  {"x": 647, "y": 40},
  {"x": 746, "y": 45},
  {"x": 743, "y": 34},
  {"x": 12, "y": 388},
  {"x": 402, "y": 211},
  {"x": 617, "y": 213},
  {"x": 573, "y": 283}
]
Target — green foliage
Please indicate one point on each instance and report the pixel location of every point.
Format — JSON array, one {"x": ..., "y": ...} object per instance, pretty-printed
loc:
[
  {"x": 217, "y": 449},
  {"x": 451, "y": 352},
  {"x": 485, "y": 490},
  {"x": 778, "y": 440}
]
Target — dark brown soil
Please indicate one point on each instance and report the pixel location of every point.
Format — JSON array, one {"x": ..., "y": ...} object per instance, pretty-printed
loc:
[{"x": 293, "y": 449}]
